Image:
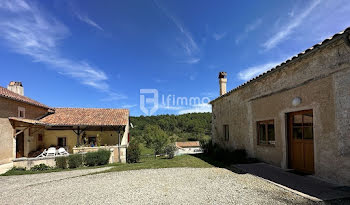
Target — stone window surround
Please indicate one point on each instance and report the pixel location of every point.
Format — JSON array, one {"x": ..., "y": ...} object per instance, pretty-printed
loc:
[{"x": 21, "y": 109}]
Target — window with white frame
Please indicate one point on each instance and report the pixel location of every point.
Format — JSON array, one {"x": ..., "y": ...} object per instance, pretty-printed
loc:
[{"x": 21, "y": 112}]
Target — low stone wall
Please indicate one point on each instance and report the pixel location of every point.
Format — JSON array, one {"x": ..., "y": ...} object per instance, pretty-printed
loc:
[
  {"x": 5, "y": 167},
  {"x": 50, "y": 161},
  {"x": 31, "y": 162},
  {"x": 113, "y": 149}
]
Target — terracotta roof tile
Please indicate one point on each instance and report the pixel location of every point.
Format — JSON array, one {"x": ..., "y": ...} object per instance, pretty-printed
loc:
[
  {"x": 29, "y": 121},
  {"x": 188, "y": 144},
  {"x": 87, "y": 116},
  {"x": 4, "y": 92}
]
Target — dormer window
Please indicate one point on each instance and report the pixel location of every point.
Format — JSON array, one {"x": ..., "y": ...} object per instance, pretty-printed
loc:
[{"x": 21, "y": 112}]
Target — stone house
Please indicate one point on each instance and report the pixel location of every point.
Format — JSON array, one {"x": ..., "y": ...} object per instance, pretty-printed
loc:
[
  {"x": 188, "y": 147},
  {"x": 27, "y": 127},
  {"x": 296, "y": 115}
]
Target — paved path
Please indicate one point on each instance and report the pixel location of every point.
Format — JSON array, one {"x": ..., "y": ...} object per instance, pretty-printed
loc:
[
  {"x": 152, "y": 186},
  {"x": 309, "y": 185}
]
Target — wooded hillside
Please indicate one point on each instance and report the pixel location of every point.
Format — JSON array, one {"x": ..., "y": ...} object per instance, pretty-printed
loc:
[{"x": 192, "y": 126}]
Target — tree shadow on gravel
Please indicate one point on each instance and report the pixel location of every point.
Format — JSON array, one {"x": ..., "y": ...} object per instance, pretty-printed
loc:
[
  {"x": 239, "y": 163},
  {"x": 226, "y": 160}
]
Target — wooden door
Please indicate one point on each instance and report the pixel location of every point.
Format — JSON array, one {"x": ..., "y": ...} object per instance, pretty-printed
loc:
[
  {"x": 20, "y": 145},
  {"x": 301, "y": 141}
]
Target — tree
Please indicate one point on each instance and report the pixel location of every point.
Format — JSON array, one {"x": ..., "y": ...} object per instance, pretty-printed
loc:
[
  {"x": 133, "y": 152},
  {"x": 156, "y": 138},
  {"x": 170, "y": 150},
  {"x": 186, "y": 127}
]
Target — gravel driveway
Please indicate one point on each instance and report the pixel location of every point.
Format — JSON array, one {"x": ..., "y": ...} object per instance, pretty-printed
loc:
[{"x": 152, "y": 186}]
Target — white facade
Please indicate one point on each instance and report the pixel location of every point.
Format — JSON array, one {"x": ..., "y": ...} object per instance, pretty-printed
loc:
[{"x": 188, "y": 150}]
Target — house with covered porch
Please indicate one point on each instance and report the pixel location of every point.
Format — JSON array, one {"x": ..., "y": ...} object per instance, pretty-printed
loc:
[{"x": 28, "y": 127}]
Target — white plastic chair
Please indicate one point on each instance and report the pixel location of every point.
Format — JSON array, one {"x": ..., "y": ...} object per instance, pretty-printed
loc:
[
  {"x": 51, "y": 152},
  {"x": 43, "y": 154},
  {"x": 62, "y": 151}
]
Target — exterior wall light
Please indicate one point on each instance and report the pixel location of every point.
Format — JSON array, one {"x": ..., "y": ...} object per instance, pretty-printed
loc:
[{"x": 296, "y": 101}]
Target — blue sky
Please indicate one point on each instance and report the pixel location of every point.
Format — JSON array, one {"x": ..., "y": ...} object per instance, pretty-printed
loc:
[{"x": 101, "y": 53}]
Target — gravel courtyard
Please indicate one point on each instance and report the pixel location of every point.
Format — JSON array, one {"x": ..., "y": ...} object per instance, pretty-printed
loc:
[{"x": 150, "y": 186}]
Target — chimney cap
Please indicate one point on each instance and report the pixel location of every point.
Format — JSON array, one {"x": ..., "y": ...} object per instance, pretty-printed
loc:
[
  {"x": 15, "y": 83},
  {"x": 222, "y": 74}
]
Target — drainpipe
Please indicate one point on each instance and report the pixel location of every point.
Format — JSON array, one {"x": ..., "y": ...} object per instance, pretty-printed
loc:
[{"x": 119, "y": 146}]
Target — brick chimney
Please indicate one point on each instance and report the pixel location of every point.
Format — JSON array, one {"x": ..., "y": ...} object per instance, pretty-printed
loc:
[
  {"x": 16, "y": 87},
  {"x": 222, "y": 82}
]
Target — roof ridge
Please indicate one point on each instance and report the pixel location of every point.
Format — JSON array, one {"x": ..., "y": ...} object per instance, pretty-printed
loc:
[
  {"x": 17, "y": 97},
  {"x": 90, "y": 108},
  {"x": 283, "y": 63}
]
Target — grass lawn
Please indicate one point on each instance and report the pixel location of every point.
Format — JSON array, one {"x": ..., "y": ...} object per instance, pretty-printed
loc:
[
  {"x": 145, "y": 150},
  {"x": 22, "y": 172},
  {"x": 145, "y": 163},
  {"x": 156, "y": 163},
  {"x": 148, "y": 161}
]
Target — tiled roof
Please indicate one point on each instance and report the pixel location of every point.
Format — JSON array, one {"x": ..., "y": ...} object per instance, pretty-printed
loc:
[
  {"x": 87, "y": 117},
  {"x": 188, "y": 144},
  {"x": 29, "y": 121},
  {"x": 4, "y": 92},
  {"x": 290, "y": 60}
]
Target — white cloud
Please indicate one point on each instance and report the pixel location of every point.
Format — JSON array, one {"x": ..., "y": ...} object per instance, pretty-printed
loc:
[
  {"x": 248, "y": 28},
  {"x": 219, "y": 36},
  {"x": 294, "y": 22},
  {"x": 86, "y": 19},
  {"x": 210, "y": 94},
  {"x": 158, "y": 80},
  {"x": 169, "y": 107},
  {"x": 191, "y": 61},
  {"x": 193, "y": 77},
  {"x": 196, "y": 109},
  {"x": 32, "y": 32},
  {"x": 185, "y": 40},
  {"x": 253, "y": 26},
  {"x": 112, "y": 96},
  {"x": 129, "y": 106},
  {"x": 253, "y": 71}
]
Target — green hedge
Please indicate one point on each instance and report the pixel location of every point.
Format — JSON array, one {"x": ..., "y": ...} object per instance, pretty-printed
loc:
[
  {"x": 40, "y": 167},
  {"x": 75, "y": 160},
  {"x": 101, "y": 157},
  {"x": 61, "y": 162}
]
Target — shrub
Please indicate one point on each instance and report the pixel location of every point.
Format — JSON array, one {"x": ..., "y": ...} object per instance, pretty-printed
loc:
[
  {"x": 101, "y": 157},
  {"x": 133, "y": 152},
  {"x": 40, "y": 167},
  {"x": 226, "y": 155},
  {"x": 75, "y": 160},
  {"x": 18, "y": 169},
  {"x": 170, "y": 150},
  {"x": 61, "y": 162},
  {"x": 91, "y": 159}
]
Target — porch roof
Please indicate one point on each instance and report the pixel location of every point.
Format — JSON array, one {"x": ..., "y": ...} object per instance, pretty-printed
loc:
[
  {"x": 27, "y": 121},
  {"x": 87, "y": 117}
]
